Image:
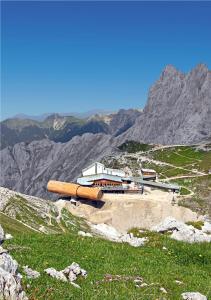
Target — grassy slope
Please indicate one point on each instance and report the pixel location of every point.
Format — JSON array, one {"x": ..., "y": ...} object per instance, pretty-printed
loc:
[
  {"x": 185, "y": 156},
  {"x": 190, "y": 264},
  {"x": 201, "y": 200},
  {"x": 13, "y": 226}
]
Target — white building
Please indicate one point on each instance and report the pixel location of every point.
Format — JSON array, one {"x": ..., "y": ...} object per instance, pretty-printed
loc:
[{"x": 98, "y": 168}]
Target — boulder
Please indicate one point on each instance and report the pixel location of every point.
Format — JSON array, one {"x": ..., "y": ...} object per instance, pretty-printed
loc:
[
  {"x": 169, "y": 224},
  {"x": 56, "y": 274},
  {"x": 206, "y": 227},
  {"x": 112, "y": 234},
  {"x": 10, "y": 286},
  {"x": 183, "y": 232},
  {"x": 191, "y": 235},
  {"x": 8, "y": 236},
  {"x": 31, "y": 274},
  {"x": 70, "y": 273},
  {"x": 8, "y": 264},
  {"x": 193, "y": 296},
  {"x": 10, "y": 279},
  {"x": 85, "y": 234},
  {"x": 133, "y": 241}
]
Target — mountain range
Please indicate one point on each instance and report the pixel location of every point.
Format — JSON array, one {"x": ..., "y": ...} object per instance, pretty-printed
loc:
[
  {"x": 63, "y": 128},
  {"x": 178, "y": 111}
]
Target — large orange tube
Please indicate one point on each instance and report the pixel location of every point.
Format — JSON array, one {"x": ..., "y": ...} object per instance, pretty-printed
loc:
[{"x": 74, "y": 190}]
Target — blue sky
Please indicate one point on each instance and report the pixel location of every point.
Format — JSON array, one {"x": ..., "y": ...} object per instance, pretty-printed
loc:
[{"x": 78, "y": 56}]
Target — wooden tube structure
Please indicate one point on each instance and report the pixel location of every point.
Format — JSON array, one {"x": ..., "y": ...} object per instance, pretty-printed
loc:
[{"x": 74, "y": 190}]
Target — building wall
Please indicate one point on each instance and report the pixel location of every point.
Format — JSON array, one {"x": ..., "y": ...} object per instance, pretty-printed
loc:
[
  {"x": 89, "y": 171},
  {"x": 116, "y": 172},
  {"x": 99, "y": 168},
  {"x": 104, "y": 182}
]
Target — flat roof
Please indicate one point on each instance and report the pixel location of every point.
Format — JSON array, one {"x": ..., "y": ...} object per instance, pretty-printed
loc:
[{"x": 102, "y": 176}]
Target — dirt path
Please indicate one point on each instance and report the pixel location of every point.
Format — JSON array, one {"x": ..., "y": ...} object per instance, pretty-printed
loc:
[{"x": 182, "y": 176}]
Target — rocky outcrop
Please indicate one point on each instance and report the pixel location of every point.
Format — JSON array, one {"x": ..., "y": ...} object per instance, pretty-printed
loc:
[
  {"x": 30, "y": 273},
  {"x": 193, "y": 296},
  {"x": 182, "y": 232},
  {"x": 10, "y": 279},
  {"x": 84, "y": 234},
  {"x": 1, "y": 235},
  {"x": 112, "y": 234},
  {"x": 69, "y": 274},
  {"x": 123, "y": 120},
  {"x": 27, "y": 168},
  {"x": 178, "y": 110}
]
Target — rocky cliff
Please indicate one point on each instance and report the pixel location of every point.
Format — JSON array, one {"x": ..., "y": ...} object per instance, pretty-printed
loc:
[
  {"x": 28, "y": 167},
  {"x": 178, "y": 110}
]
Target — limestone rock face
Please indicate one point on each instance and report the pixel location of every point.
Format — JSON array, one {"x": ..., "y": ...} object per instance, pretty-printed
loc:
[
  {"x": 178, "y": 110},
  {"x": 8, "y": 263},
  {"x": 27, "y": 168},
  {"x": 10, "y": 279},
  {"x": 10, "y": 287}
]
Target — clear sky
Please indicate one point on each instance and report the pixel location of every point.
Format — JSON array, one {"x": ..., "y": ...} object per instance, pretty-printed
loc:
[{"x": 78, "y": 56}]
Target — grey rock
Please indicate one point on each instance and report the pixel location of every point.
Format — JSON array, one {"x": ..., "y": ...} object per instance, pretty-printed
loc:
[
  {"x": 123, "y": 120},
  {"x": 169, "y": 224},
  {"x": 73, "y": 271},
  {"x": 206, "y": 227},
  {"x": 10, "y": 286},
  {"x": 70, "y": 273},
  {"x": 27, "y": 168},
  {"x": 2, "y": 250},
  {"x": 72, "y": 276},
  {"x": 30, "y": 273},
  {"x": 178, "y": 110},
  {"x": 163, "y": 290},
  {"x": 191, "y": 235},
  {"x": 1, "y": 235},
  {"x": 8, "y": 263},
  {"x": 10, "y": 279},
  {"x": 8, "y": 236},
  {"x": 182, "y": 231},
  {"x": 84, "y": 234},
  {"x": 193, "y": 296},
  {"x": 56, "y": 274},
  {"x": 110, "y": 233}
]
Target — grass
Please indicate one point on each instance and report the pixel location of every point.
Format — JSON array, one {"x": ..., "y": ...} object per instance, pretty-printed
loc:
[
  {"x": 23, "y": 211},
  {"x": 13, "y": 226},
  {"x": 184, "y": 191},
  {"x": 190, "y": 264},
  {"x": 133, "y": 147},
  {"x": 197, "y": 224},
  {"x": 184, "y": 156}
]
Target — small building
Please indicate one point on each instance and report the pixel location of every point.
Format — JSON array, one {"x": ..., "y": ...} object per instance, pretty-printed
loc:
[
  {"x": 100, "y": 180},
  {"x": 99, "y": 168},
  {"x": 149, "y": 174}
]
